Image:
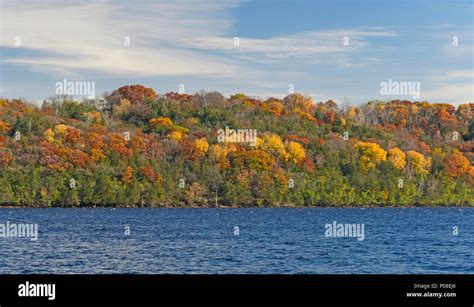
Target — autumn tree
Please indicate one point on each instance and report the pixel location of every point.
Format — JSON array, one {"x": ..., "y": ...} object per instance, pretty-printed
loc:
[
  {"x": 397, "y": 158},
  {"x": 134, "y": 93},
  {"x": 371, "y": 154},
  {"x": 418, "y": 163},
  {"x": 305, "y": 103},
  {"x": 49, "y": 135},
  {"x": 134, "y": 155},
  {"x": 456, "y": 164},
  {"x": 118, "y": 144},
  {"x": 295, "y": 152},
  {"x": 127, "y": 174},
  {"x": 96, "y": 144},
  {"x": 122, "y": 108},
  {"x": 4, "y": 127},
  {"x": 201, "y": 146},
  {"x": 273, "y": 144}
]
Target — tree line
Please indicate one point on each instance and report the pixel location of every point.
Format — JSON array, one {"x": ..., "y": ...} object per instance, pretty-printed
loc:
[{"x": 139, "y": 148}]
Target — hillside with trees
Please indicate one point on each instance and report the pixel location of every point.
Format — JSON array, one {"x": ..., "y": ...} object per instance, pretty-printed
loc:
[{"x": 139, "y": 148}]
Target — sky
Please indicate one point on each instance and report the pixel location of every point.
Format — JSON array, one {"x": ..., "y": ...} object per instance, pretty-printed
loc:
[{"x": 328, "y": 49}]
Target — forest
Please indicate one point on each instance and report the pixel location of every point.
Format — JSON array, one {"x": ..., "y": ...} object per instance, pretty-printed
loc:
[{"x": 138, "y": 148}]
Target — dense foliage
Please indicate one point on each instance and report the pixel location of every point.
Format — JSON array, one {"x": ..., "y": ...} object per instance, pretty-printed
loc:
[{"x": 142, "y": 149}]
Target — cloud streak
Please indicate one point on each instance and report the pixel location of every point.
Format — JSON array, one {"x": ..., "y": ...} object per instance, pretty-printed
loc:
[
  {"x": 165, "y": 39},
  {"x": 193, "y": 42},
  {"x": 83, "y": 36}
]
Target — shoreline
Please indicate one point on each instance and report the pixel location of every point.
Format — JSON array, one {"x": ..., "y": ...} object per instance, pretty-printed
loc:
[{"x": 236, "y": 207}]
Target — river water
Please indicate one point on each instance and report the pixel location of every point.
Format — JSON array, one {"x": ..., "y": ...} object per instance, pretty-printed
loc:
[{"x": 236, "y": 241}]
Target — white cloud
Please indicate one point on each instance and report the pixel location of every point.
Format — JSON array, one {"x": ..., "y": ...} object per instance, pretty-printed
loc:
[
  {"x": 167, "y": 38},
  {"x": 455, "y": 86},
  {"x": 195, "y": 39},
  {"x": 78, "y": 35},
  {"x": 451, "y": 93},
  {"x": 312, "y": 44}
]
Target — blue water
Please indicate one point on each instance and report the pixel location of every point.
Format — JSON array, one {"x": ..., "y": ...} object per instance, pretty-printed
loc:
[{"x": 409, "y": 240}]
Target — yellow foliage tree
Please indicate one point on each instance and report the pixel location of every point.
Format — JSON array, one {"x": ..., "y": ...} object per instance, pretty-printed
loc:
[
  {"x": 371, "y": 154},
  {"x": 304, "y": 114},
  {"x": 164, "y": 121},
  {"x": 217, "y": 152},
  {"x": 273, "y": 143},
  {"x": 201, "y": 145},
  {"x": 175, "y": 132},
  {"x": 438, "y": 152},
  {"x": 418, "y": 162},
  {"x": 352, "y": 112},
  {"x": 259, "y": 142},
  {"x": 96, "y": 154},
  {"x": 220, "y": 152},
  {"x": 175, "y": 135},
  {"x": 49, "y": 135},
  {"x": 122, "y": 108},
  {"x": 61, "y": 129},
  {"x": 93, "y": 117},
  {"x": 295, "y": 152},
  {"x": 397, "y": 158}
]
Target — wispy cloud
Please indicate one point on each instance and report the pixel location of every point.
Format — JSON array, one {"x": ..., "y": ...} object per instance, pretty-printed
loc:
[
  {"x": 166, "y": 38},
  {"x": 456, "y": 86},
  {"x": 306, "y": 45},
  {"x": 76, "y": 35},
  {"x": 193, "y": 42},
  {"x": 450, "y": 93}
]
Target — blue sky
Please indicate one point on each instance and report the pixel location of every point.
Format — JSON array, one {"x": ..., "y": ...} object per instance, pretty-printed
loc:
[{"x": 280, "y": 43}]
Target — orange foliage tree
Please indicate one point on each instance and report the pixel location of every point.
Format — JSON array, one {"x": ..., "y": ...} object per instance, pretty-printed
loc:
[
  {"x": 456, "y": 164},
  {"x": 127, "y": 174}
]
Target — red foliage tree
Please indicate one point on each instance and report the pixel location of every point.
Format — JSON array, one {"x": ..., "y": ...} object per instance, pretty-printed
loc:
[
  {"x": 177, "y": 97},
  {"x": 134, "y": 93}
]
